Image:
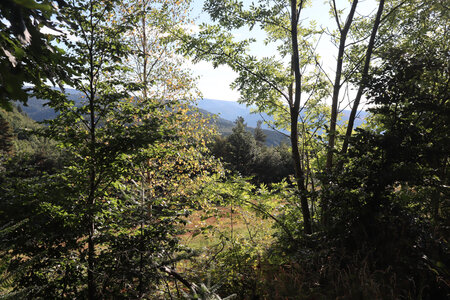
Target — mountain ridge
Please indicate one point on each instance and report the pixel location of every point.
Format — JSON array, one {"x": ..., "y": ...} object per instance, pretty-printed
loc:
[
  {"x": 230, "y": 110},
  {"x": 227, "y": 112},
  {"x": 37, "y": 110}
]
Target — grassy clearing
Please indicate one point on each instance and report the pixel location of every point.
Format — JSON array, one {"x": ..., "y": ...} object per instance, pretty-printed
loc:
[{"x": 228, "y": 224}]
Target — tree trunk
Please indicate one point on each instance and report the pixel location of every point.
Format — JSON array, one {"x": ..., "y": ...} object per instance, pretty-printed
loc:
[
  {"x": 337, "y": 81},
  {"x": 299, "y": 175},
  {"x": 92, "y": 176},
  {"x": 91, "y": 260},
  {"x": 294, "y": 112},
  {"x": 91, "y": 199},
  {"x": 362, "y": 83},
  {"x": 91, "y": 204}
]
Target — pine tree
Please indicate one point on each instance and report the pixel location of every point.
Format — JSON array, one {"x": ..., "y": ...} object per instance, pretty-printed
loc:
[
  {"x": 259, "y": 134},
  {"x": 241, "y": 149}
]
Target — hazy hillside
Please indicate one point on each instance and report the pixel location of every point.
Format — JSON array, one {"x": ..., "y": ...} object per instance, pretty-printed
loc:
[
  {"x": 225, "y": 127},
  {"x": 230, "y": 110},
  {"x": 227, "y": 112},
  {"x": 38, "y": 111}
]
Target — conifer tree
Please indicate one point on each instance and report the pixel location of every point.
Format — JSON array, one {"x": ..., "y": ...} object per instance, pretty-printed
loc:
[{"x": 259, "y": 134}]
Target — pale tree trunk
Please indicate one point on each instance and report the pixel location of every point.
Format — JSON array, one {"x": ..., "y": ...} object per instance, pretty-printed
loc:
[{"x": 144, "y": 50}]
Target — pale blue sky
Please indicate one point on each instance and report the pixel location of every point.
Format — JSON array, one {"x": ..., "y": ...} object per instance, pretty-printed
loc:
[{"x": 214, "y": 83}]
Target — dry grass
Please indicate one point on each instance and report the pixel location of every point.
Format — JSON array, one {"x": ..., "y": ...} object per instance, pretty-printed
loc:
[{"x": 233, "y": 223}]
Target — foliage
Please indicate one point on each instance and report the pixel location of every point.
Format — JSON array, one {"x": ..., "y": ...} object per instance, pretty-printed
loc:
[
  {"x": 204, "y": 292},
  {"x": 25, "y": 137},
  {"x": 237, "y": 238},
  {"x": 259, "y": 135},
  {"x": 291, "y": 86},
  {"x": 27, "y": 54},
  {"x": 32, "y": 196},
  {"x": 240, "y": 148},
  {"x": 391, "y": 191},
  {"x": 163, "y": 178},
  {"x": 47, "y": 244},
  {"x": 102, "y": 202},
  {"x": 6, "y": 135},
  {"x": 242, "y": 153},
  {"x": 131, "y": 167},
  {"x": 272, "y": 164}
]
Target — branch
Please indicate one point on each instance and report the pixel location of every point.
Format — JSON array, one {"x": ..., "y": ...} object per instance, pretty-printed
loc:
[
  {"x": 336, "y": 16},
  {"x": 242, "y": 66},
  {"x": 176, "y": 275},
  {"x": 273, "y": 127},
  {"x": 272, "y": 217}
]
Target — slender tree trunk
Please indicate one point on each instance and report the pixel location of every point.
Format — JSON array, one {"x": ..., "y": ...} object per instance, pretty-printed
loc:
[
  {"x": 141, "y": 242},
  {"x": 144, "y": 49},
  {"x": 294, "y": 112},
  {"x": 92, "y": 176},
  {"x": 299, "y": 175},
  {"x": 362, "y": 83},
  {"x": 337, "y": 81},
  {"x": 145, "y": 98},
  {"x": 91, "y": 204},
  {"x": 91, "y": 260}
]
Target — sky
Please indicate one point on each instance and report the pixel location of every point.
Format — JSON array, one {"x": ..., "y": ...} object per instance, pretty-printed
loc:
[{"x": 215, "y": 83}]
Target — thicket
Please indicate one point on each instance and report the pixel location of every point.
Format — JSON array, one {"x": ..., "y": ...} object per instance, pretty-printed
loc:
[
  {"x": 122, "y": 196},
  {"x": 247, "y": 155}
]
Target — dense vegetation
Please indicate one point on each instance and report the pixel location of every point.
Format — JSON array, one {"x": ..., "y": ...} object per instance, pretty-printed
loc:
[
  {"x": 132, "y": 194},
  {"x": 247, "y": 154},
  {"x": 38, "y": 111}
]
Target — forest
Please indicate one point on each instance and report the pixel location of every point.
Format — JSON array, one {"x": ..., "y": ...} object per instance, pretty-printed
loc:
[{"x": 132, "y": 193}]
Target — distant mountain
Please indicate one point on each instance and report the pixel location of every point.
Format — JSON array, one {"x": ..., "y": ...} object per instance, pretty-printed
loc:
[
  {"x": 37, "y": 110},
  {"x": 230, "y": 110},
  {"x": 225, "y": 127},
  {"x": 227, "y": 112}
]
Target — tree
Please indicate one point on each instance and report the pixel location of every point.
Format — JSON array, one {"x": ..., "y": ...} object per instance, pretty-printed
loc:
[
  {"x": 161, "y": 179},
  {"x": 96, "y": 135},
  {"x": 412, "y": 109},
  {"x": 132, "y": 168},
  {"x": 28, "y": 55},
  {"x": 417, "y": 86},
  {"x": 266, "y": 82},
  {"x": 259, "y": 134},
  {"x": 241, "y": 148},
  {"x": 97, "y": 58},
  {"x": 391, "y": 193},
  {"x": 29, "y": 189},
  {"x": 343, "y": 32},
  {"x": 136, "y": 157},
  {"x": 272, "y": 164},
  {"x": 296, "y": 76},
  {"x": 402, "y": 26}
]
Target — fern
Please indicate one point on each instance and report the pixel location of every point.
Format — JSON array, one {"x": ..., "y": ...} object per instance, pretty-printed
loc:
[{"x": 204, "y": 292}]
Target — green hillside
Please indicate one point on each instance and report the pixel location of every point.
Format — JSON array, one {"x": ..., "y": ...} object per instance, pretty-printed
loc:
[
  {"x": 225, "y": 127},
  {"x": 38, "y": 111},
  {"x": 21, "y": 128}
]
